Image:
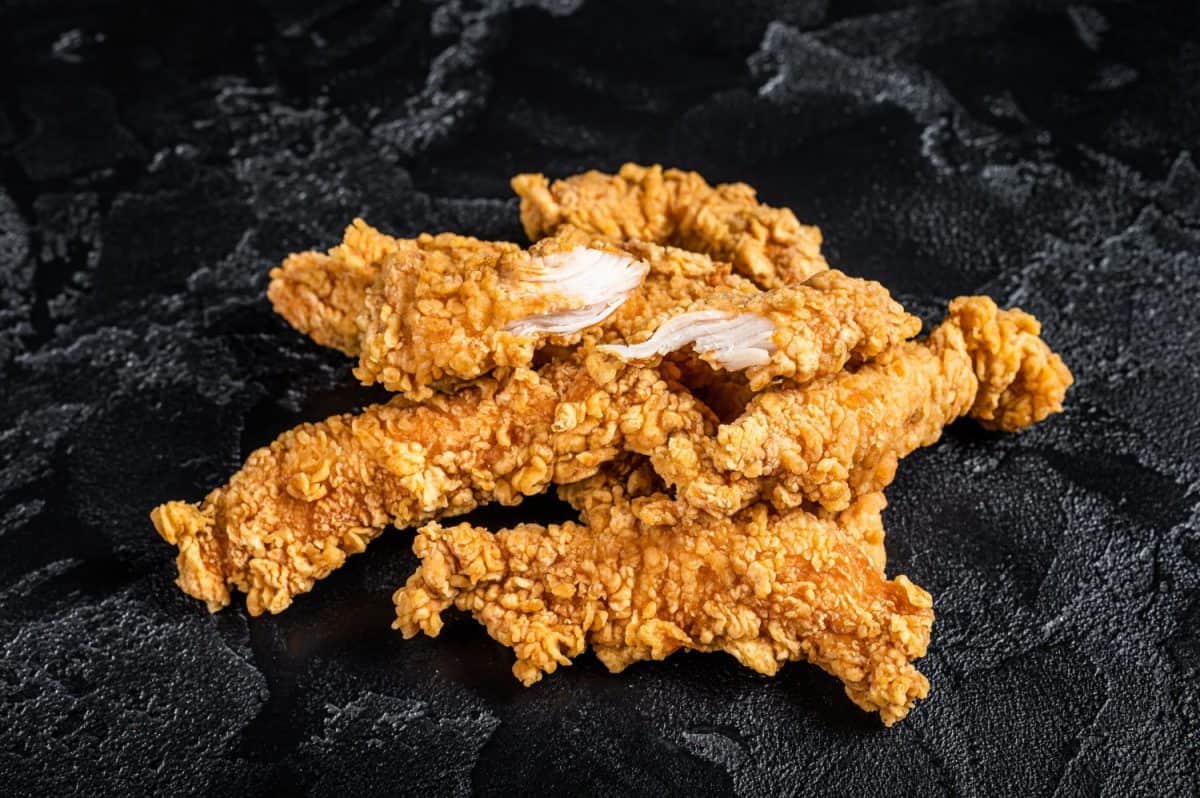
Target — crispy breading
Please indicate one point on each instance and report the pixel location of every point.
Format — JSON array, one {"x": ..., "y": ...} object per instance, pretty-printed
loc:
[
  {"x": 633, "y": 476},
  {"x": 321, "y": 492},
  {"x": 437, "y": 310},
  {"x": 630, "y": 474},
  {"x": 862, "y": 521},
  {"x": 678, "y": 278},
  {"x": 678, "y": 361},
  {"x": 646, "y": 577},
  {"x": 796, "y": 333},
  {"x": 768, "y": 245},
  {"x": 843, "y": 436},
  {"x": 455, "y": 308},
  {"x": 322, "y": 295}
]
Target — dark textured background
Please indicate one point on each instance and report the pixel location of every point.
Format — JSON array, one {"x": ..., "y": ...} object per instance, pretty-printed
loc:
[{"x": 157, "y": 158}]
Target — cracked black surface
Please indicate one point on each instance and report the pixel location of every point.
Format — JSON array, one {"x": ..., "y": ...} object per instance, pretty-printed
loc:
[{"x": 155, "y": 163}]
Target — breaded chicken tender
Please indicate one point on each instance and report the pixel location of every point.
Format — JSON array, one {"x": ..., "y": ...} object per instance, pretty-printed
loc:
[
  {"x": 645, "y": 577},
  {"x": 768, "y": 245},
  {"x": 437, "y": 310},
  {"x": 449, "y": 308},
  {"x": 843, "y": 436},
  {"x": 454, "y": 308},
  {"x": 796, "y": 333},
  {"x": 322, "y": 492},
  {"x": 324, "y": 295}
]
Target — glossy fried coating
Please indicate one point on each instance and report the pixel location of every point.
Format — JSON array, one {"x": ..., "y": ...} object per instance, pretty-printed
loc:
[
  {"x": 645, "y": 577},
  {"x": 670, "y": 206},
  {"x": 843, "y": 436},
  {"x": 796, "y": 333},
  {"x": 321, "y": 492}
]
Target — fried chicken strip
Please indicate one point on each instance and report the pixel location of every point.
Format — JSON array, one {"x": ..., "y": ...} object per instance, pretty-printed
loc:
[
  {"x": 796, "y": 333},
  {"x": 843, "y": 436},
  {"x": 455, "y": 308},
  {"x": 448, "y": 307},
  {"x": 322, "y": 492},
  {"x": 436, "y": 310},
  {"x": 646, "y": 577},
  {"x": 768, "y": 245}
]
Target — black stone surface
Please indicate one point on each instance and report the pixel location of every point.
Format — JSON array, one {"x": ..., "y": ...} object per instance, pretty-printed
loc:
[{"x": 157, "y": 158}]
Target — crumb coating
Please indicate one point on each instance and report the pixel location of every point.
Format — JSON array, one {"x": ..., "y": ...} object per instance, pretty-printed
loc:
[
  {"x": 671, "y": 206},
  {"x": 843, "y": 436},
  {"x": 323, "y": 491},
  {"x": 645, "y": 577}
]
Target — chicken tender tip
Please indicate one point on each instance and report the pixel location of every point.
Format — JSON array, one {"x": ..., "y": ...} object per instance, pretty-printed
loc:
[{"x": 190, "y": 528}]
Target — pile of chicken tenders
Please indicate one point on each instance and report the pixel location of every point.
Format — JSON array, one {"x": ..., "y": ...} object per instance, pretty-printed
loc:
[{"x": 679, "y": 363}]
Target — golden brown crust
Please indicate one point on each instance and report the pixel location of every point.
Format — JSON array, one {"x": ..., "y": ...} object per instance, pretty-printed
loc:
[
  {"x": 1021, "y": 381},
  {"x": 831, "y": 321},
  {"x": 647, "y": 577},
  {"x": 678, "y": 278},
  {"x": 437, "y": 312},
  {"x": 768, "y": 245},
  {"x": 322, "y": 491},
  {"x": 816, "y": 329},
  {"x": 843, "y": 436},
  {"x": 321, "y": 295},
  {"x": 863, "y": 521},
  {"x": 633, "y": 476},
  {"x": 430, "y": 312}
]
